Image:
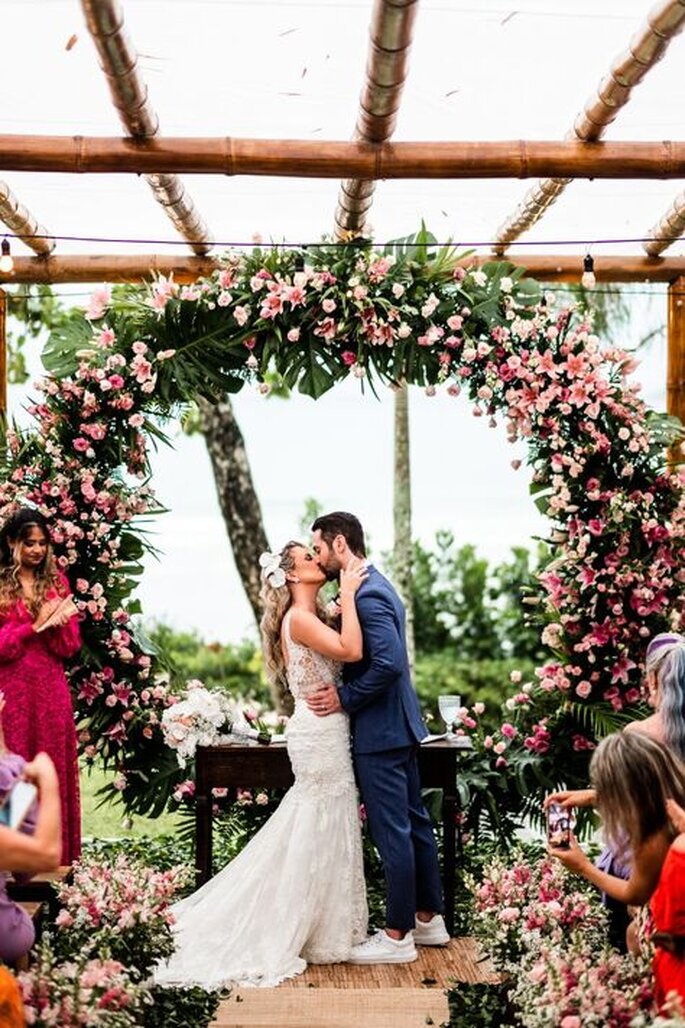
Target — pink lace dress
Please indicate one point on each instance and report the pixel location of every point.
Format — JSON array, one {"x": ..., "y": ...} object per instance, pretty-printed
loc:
[{"x": 38, "y": 714}]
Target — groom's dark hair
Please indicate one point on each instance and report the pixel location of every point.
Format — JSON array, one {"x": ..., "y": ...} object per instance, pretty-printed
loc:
[{"x": 341, "y": 523}]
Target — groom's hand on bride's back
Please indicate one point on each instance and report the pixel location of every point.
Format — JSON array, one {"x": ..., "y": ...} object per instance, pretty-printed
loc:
[{"x": 324, "y": 701}]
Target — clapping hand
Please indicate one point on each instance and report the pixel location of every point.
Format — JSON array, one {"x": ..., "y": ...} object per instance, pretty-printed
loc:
[
  {"x": 45, "y": 613},
  {"x": 61, "y": 611}
]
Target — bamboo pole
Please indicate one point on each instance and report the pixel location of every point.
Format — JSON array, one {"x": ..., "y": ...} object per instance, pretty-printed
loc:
[
  {"x": 119, "y": 61},
  {"x": 664, "y": 21},
  {"x": 3, "y": 356},
  {"x": 390, "y": 37},
  {"x": 22, "y": 223},
  {"x": 668, "y": 229},
  {"x": 297, "y": 158},
  {"x": 675, "y": 373},
  {"x": 135, "y": 267}
]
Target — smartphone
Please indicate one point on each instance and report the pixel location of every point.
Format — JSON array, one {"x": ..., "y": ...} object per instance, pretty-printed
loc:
[
  {"x": 17, "y": 804},
  {"x": 558, "y": 827}
]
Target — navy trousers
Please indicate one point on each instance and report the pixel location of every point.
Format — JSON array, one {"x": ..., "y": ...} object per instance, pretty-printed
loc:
[{"x": 402, "y": 832}]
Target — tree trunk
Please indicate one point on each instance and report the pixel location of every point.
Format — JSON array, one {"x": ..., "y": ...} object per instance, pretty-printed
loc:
[
  {"x": 402, "y": 553},
  {"x": 239, "y": 504}
]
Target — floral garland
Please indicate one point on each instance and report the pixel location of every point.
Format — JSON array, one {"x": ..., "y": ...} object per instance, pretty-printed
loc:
[{"x": 410, "y": 314}]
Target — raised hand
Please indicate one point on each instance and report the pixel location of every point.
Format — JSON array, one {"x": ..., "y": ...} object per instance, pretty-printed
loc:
[
  {"x": 573, "y": 858},
  {"x": 41, "y": 771},
  {"x": 676, "y": 815},
  {"x": 352, "y": 577},
  {"x": 570, "y": 798}
]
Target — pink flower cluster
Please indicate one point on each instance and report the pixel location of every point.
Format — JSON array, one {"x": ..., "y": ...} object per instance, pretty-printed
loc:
[
  {"x": 582, "y": 987},
  {"x": 519, "y": 904},
  {"x": 123, "y": 906},
  {"x": 97, "y": 993}
]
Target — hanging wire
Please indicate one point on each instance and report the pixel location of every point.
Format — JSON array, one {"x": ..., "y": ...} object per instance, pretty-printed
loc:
[{"x": 291, "y": 245}]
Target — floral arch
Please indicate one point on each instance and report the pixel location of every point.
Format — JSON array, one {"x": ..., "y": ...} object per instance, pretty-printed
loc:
[{"x": 410, "y": 313}]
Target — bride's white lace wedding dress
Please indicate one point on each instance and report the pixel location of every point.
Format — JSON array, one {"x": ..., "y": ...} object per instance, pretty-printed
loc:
[{"x": 296, "y": 893}]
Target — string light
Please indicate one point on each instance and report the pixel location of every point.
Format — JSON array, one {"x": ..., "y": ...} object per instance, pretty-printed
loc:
[
  {"x": 6, "y": 262},
  {"x": 588, "y": 280}
]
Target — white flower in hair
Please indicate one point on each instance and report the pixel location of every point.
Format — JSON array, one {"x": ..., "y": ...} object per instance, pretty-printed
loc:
[{"x": 272, "y": 572}]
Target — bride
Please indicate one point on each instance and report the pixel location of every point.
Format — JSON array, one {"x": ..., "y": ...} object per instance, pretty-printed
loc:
[{"x": 296, "y": 893}]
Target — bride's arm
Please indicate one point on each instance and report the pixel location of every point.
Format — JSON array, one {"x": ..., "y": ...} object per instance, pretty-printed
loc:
[{"x": 346, "y": 645}]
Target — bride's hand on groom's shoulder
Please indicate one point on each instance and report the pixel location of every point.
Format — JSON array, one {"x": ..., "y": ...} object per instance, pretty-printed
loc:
[{"x": 352, "y": 577}]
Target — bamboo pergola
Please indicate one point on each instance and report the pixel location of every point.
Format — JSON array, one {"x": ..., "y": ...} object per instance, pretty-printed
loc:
[{"x": 369, "y": 158}]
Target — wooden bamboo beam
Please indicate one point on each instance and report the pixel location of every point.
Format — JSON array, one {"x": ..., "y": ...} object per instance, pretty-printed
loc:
[
  {"x": 664, "y": 21},
  {"x": 321, "y": 159},
  {"x": 22, "y": 223},
  {"x": 668, "y": 229},
  {"x": 390, "y": 37},
  {"x": 119, "y": 61},
  {"x": 185, "y": 268},
  {"x": 3, "y": 355}
]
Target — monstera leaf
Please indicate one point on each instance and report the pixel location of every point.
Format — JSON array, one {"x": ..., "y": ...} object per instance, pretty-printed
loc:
[{"x": 61, "y": 352}]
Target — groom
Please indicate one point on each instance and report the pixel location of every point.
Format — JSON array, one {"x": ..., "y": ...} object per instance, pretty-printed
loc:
[{"x": 386, "y": 731}]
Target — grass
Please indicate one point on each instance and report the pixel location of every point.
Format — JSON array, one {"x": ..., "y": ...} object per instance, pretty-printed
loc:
[{"x": 108, "y": 820}]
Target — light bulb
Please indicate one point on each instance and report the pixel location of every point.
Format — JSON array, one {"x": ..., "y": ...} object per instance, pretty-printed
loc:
[
  {"x": 6, "y": 262},
  {"x": 588, "y": 280}
]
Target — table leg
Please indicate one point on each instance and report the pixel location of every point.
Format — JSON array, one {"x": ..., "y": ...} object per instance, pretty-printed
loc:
[
  {"x": 450, "y": 807},
  {"x": 203, "y": 839}
]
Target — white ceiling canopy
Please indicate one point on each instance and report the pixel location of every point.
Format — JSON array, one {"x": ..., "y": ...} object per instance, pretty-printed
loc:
[{"x": 284, "y": 69}]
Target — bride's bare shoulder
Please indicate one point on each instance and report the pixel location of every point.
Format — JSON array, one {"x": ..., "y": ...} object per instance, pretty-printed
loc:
[{"x": 302, "y": 622}]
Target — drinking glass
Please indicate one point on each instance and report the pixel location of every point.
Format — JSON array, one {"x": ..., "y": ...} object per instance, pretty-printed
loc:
[{"x": 449, "y": 707}]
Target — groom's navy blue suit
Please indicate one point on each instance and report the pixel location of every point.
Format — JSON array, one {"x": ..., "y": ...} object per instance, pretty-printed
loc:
[{"x": 386, "y": 730}]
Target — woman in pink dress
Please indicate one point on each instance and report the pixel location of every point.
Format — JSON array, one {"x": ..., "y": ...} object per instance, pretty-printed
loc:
[{"x": 38, "y": 632}]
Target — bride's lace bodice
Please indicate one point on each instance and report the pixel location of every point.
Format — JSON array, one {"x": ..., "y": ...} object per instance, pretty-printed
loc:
[{"x": 307, "y": 669}]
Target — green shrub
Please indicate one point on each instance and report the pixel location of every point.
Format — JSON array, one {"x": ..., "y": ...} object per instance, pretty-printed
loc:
[
  {"x": 479, "y": 1005},
  {"x": 190, "y": 1007},
  {"x": 486, "y": 681},
  {"x": 236, "y": 668}
]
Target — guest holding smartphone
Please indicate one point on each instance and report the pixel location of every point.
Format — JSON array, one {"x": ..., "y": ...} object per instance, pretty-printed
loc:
[
  {"x": 34, "y": 845},
  {"x": 38, "y": 632}
]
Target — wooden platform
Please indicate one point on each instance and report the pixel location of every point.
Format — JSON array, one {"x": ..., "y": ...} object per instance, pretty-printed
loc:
[{"x": 344, "y": 996}]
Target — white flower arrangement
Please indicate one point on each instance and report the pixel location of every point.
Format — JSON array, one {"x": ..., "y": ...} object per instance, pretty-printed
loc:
[
  {"x": 196, "y": 720},
  {"x": 204, "y": 717}
]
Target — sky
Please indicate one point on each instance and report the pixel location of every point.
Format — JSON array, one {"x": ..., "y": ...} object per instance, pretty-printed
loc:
[{"x": 294, "y": 69}]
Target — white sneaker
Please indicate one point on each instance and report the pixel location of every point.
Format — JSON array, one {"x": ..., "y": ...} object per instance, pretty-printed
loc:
[
  {"x": 381, "y": 949},
  {"x": 431, "y": 933}
]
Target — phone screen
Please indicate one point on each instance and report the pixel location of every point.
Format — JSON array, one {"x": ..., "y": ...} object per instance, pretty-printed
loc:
[
  {"x": 17, "y": 804},
  {"x": 558, "y": 827}
]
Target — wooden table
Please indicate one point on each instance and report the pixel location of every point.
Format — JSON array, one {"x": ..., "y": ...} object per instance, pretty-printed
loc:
[{"x": 250, "y": 766}]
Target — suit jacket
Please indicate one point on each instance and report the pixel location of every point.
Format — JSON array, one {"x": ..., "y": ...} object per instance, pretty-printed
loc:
[{"x": 377, "y": 691}]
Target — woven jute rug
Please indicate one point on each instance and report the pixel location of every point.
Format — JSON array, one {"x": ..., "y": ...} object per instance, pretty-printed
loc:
[{"x": 377, "y": 996}]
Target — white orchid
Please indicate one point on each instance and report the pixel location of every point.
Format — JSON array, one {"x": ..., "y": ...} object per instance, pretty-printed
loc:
[{"x": 272, "y": 572}]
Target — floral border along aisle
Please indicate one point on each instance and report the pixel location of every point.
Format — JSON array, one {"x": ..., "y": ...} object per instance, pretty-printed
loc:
[{"x": 313, "y": 317}]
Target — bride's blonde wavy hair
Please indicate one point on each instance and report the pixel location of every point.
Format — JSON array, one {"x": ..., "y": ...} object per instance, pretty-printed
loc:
[
  {"x": 275, "y": 604},
  {"x": 14, "y": 532}
]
